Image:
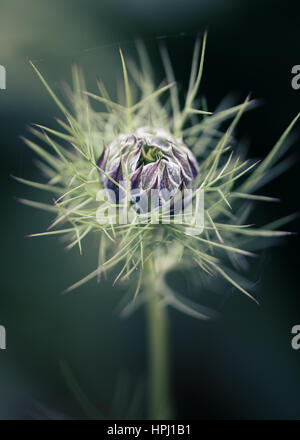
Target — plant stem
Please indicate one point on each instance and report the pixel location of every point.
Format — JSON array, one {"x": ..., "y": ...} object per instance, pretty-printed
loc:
[{"x": 159, "y": 375}]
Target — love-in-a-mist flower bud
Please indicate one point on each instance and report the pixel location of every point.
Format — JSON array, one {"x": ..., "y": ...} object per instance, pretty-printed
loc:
[{"x": 148, "y": 159}]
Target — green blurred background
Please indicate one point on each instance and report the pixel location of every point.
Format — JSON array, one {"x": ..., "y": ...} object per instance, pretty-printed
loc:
[{"x": 239, "y": 367}]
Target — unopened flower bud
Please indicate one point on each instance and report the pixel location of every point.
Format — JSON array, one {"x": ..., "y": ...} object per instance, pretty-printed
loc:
[{"x": 149, "y": 159}]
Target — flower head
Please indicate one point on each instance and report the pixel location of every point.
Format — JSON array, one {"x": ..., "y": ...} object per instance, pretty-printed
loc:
[{"x": 153, "y": 160}]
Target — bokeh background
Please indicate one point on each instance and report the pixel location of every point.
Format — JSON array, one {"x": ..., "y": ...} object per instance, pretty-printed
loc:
[{"x": 239, "y": 367}]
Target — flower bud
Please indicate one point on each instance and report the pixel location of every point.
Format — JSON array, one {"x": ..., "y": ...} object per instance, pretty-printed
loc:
[{"x": 148, "y": 159}]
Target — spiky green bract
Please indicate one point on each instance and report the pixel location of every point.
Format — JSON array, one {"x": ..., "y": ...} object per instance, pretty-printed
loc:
[{"x": 230, "y": 183}]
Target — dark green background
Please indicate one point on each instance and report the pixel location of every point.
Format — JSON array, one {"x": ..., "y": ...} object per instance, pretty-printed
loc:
[{"x": 240, "y": 367}]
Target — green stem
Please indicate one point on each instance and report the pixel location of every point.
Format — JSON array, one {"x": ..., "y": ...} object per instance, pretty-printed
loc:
[{"x": 159, "y": 375}]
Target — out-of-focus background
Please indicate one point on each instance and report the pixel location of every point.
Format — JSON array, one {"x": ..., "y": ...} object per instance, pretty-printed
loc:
[{"x": 239, "y": 367}]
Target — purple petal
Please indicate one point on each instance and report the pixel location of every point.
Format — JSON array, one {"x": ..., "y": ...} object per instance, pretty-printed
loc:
[
  {"x": 117, "y": 175},
  {"x": 194, "y": 166},
  {"x": 101, "y": 163},
  {"x": 136, "y": 178},
  {"x": 150, "y": 174},
  {"x": 184, "y": 164}
]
